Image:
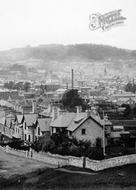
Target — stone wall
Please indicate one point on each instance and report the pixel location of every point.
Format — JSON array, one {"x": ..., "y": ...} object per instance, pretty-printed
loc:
[
  {"x": 9, "y": 150},
  {"x": 57, "y": 160},
  {"x": 51, "y": 159},
  {"x": 110, "y": 163},
  {"x": 75, "y": 161}
]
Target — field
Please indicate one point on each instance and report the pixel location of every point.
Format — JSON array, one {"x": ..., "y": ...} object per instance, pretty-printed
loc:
[{"x": 23, "y": 174}]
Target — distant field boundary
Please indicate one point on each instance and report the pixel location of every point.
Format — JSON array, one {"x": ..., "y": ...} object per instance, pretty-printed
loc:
[{"x": 59, "y": 161}]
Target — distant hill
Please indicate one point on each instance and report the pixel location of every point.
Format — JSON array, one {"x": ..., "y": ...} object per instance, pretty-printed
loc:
[{"x": 61, "y": 53}]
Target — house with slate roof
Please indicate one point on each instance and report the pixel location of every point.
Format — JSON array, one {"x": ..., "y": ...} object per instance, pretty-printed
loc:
[
  {"x": 82, "y": 126},
  {"x": 61, "y": 123},
  {"x": 10, "y": 96},
  {"x": 6, "y": 129},
  {"x": 18, "y": 127},
  {"x": 29, "y": 126},
  {"x": 34, "y": 127},
  {"x": 43, "y": 128}
]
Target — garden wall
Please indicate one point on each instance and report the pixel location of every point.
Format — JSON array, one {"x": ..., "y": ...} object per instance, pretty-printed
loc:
[
  {"x": 58, "y": 160},
  {"x": 110, "y": 163}
]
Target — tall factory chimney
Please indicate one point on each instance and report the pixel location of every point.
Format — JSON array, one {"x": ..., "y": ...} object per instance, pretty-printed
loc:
[{"x": 72, "y": 81}]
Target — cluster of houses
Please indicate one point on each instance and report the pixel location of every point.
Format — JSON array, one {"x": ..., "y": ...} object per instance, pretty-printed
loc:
[
  {"x": 26, "y": 127},
  {"x": 86, "y": 126},
  {"x": 21, "y": 119}
]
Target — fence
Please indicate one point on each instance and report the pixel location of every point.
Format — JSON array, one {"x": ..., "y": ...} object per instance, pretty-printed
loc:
[{"x": 59, "y": 160}]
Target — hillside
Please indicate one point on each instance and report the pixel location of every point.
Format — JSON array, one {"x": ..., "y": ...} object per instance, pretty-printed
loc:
[
  {"x": 68, "y": 52},
  {"x": 90, "y": 58}
]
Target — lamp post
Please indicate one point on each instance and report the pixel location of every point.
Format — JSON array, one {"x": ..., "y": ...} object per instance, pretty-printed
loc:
[{"x": 104, "y": 122}]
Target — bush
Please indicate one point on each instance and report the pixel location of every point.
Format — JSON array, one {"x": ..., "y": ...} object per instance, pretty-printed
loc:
[
  {"x": 96, "y": 154},
  {"x": 61, "y": 144},
  {"x": 44, "y": 143},
  {"x": 75, "y": 151},
  {"x": 48, "y": 145},
  {"x": 17, "y": 144}
]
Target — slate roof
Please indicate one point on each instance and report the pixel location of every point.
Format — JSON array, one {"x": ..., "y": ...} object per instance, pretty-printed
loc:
[
  {"x": 44, "y": 124},
  {"x": 30, "y": 119},
  {"x": 74, "y": 125},
  {"x": 78, "y": 119},
  {"x": 72, "y": 121},
  {"x": 63, "y": 120},
  {"x": 13, "y": 95},
  {"x": 124, "y": 122},
  {"x": 128, "y": 125}
]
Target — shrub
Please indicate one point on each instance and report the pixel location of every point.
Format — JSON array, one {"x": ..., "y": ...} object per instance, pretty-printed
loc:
[
  {"x": 96, "y": 154},
  {"x": 61, "y": 144},
  {"x": 75, "y": 151},
  {"x": 17, "y": 144}
]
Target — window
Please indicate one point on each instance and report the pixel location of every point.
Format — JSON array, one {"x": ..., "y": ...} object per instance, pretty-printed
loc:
[
  {"x": 70, "y": 133},
  {"x": 38, "y": 131},
  {"x": 25, "y": 126},
  {"x": 29, "y": 138},
  {"x": 83, "y": 131}
]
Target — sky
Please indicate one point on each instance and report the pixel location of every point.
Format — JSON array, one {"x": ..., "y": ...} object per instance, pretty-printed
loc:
[{"x": 35, "y": 22}]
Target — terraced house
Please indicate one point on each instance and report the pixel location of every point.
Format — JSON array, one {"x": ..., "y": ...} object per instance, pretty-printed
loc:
[{"x": 27, "y": 127}]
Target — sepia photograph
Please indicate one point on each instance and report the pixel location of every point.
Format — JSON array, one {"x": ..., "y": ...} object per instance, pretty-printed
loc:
[{"x": 67, "y": 95}]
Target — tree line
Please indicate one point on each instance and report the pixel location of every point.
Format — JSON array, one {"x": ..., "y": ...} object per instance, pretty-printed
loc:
[{"x": 17, "y": 85}]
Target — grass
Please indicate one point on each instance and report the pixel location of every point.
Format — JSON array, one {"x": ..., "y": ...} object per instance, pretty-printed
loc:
[{"x": 123, "y": 177}]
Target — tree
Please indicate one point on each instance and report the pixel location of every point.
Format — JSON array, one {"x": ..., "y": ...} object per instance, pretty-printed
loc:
[
  {"x": 128, "y": 111},
  {"x": 130, "y": 87},
  {"x": 43, "y": 143},
  {"x": 9, "y": 85},
  {"x": 19, "y": 86},
  {"x": 27, "y": 86},
  {"x": 71, "y": 99}
]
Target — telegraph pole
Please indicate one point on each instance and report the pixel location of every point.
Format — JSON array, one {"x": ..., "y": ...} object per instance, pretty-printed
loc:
[{"x": 104, "y": 122}]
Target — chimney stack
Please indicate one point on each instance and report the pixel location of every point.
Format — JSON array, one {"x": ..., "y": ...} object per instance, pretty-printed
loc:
[
  {"x": 55, "y": 112},
  {"x": 34, "y": 107}
]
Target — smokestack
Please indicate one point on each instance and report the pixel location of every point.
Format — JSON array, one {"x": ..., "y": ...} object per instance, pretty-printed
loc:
[{"x": 72, "y": 85}]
